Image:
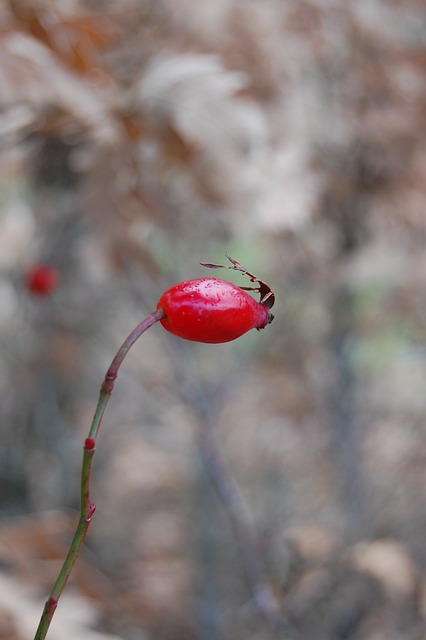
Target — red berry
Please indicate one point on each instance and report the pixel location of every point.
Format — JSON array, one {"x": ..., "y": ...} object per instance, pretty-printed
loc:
[
  {"x": 42, "y": 279},
  {"x": 211, "y": 310}
]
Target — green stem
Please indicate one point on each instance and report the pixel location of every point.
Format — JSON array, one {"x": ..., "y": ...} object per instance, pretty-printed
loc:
[{"x": 87, "y": 509}]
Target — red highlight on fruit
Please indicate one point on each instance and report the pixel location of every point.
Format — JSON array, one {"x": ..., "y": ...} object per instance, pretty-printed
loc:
[
  {"x": 212, "y": 310},
  {"x": 42, "y": 279}
]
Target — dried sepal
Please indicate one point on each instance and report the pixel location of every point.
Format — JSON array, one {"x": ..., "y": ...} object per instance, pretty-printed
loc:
[{"x": 267, "y": 296}]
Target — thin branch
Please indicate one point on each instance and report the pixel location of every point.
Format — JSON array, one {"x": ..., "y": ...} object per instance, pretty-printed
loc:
[
  {"x": 87, "y": 508},
  {"x": 244, "y": 531}
]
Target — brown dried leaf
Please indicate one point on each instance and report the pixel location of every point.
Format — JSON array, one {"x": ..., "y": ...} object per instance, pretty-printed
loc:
[
  {"x": 31, "y": 75},
  {"x": 75, "y": 40}
]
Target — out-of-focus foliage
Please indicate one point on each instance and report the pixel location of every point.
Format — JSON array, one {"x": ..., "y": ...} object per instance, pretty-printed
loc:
[{"x": 138, "y": 138}]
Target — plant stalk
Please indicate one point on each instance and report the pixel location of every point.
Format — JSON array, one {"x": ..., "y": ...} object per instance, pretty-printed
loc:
[{"x": 87, "y": 508}]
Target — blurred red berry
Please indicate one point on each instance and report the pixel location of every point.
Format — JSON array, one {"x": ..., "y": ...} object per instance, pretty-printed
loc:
[
  {"x": 42, "y": 279},
  {"x": 211, "y": 310}
]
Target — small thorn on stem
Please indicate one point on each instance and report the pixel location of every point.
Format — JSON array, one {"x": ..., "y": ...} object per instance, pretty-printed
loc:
[
  {"x": 51, "y": 604},
  {"x": 89, "y": 444},
  {"x": 92, "y": 509},
  {"x": 108, "y": 383}
]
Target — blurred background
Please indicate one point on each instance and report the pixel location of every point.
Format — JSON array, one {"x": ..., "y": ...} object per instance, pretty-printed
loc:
[{"x": 139, "y": 138}]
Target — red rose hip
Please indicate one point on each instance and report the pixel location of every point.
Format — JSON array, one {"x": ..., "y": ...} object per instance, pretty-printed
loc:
[
  {"x": 42, "y": 279},
  {"x": 211, "y": 310}
]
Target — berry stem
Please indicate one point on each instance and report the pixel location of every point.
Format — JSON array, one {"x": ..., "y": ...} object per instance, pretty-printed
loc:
[{"x": 87, "y": 508}]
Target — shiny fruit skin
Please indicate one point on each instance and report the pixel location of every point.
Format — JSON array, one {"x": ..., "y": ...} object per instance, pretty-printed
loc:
[
  {"x": 210, "y": 310},
  {"x": 42, "y": 279}
]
